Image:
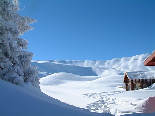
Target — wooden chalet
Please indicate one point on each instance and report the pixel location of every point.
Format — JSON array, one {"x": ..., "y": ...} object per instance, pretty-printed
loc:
[{"x": 140, "y": 79}]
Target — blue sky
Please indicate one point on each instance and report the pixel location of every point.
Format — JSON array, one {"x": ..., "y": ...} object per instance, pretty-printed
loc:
[{"x": 90, "y": 29}]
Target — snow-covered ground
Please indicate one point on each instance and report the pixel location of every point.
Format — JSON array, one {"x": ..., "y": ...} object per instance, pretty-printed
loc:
[
  {"x": 83, "y": 86},
  {"x": 97, "y": 85},
  {"x": 27, "y": 101}
]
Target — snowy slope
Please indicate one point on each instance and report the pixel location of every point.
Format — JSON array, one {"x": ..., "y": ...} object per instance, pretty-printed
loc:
[
  {"x": 93, "y": 68},
  {"x": 49, "y": 67},
  {"x": 27, "y": 101},
  {"x": 82, "y": 88}
]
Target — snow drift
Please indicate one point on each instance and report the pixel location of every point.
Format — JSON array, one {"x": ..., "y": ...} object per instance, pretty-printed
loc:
[{"x": 28, "y": 101}]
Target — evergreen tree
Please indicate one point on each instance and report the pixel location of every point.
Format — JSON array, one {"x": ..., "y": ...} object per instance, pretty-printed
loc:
[{"x": 14, "y": 59}]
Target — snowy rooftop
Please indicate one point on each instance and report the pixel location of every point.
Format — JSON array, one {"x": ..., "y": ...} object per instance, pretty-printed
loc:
[{"x": 141, "y": 74}]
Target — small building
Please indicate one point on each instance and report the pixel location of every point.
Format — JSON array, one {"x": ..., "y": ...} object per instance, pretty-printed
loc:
[{"x": 140, "y": 79}]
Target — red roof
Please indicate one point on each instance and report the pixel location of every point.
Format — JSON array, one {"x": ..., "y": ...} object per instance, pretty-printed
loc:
[{"x": 150, "y": 61}]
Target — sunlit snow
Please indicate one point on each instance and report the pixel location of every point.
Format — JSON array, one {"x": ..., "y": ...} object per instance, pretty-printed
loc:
[{"x": 100, "y": 92}]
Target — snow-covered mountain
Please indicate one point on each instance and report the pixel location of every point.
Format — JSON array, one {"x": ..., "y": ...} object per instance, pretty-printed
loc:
[
  {"x": 93, "y": 68},
  {"x": 95, "y": 85}
]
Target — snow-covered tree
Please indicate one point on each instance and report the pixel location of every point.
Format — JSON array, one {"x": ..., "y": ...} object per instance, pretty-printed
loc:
[{"x": 14, "y": 59}]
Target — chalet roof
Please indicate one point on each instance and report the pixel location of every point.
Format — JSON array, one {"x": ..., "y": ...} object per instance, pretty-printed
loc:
[
  {"x": 150, "y": 61},
  {"x": 141, "y": 75}
]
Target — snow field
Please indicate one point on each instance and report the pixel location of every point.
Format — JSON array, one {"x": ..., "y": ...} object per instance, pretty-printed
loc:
[
  {"x": 102, "y": 93},
  {"x": 26, "y": 100}
]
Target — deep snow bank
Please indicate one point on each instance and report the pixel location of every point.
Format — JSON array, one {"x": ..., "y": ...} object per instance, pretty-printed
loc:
[
  {"x": 50, "y": 67},
  {"x": 27, "y": 101}
]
